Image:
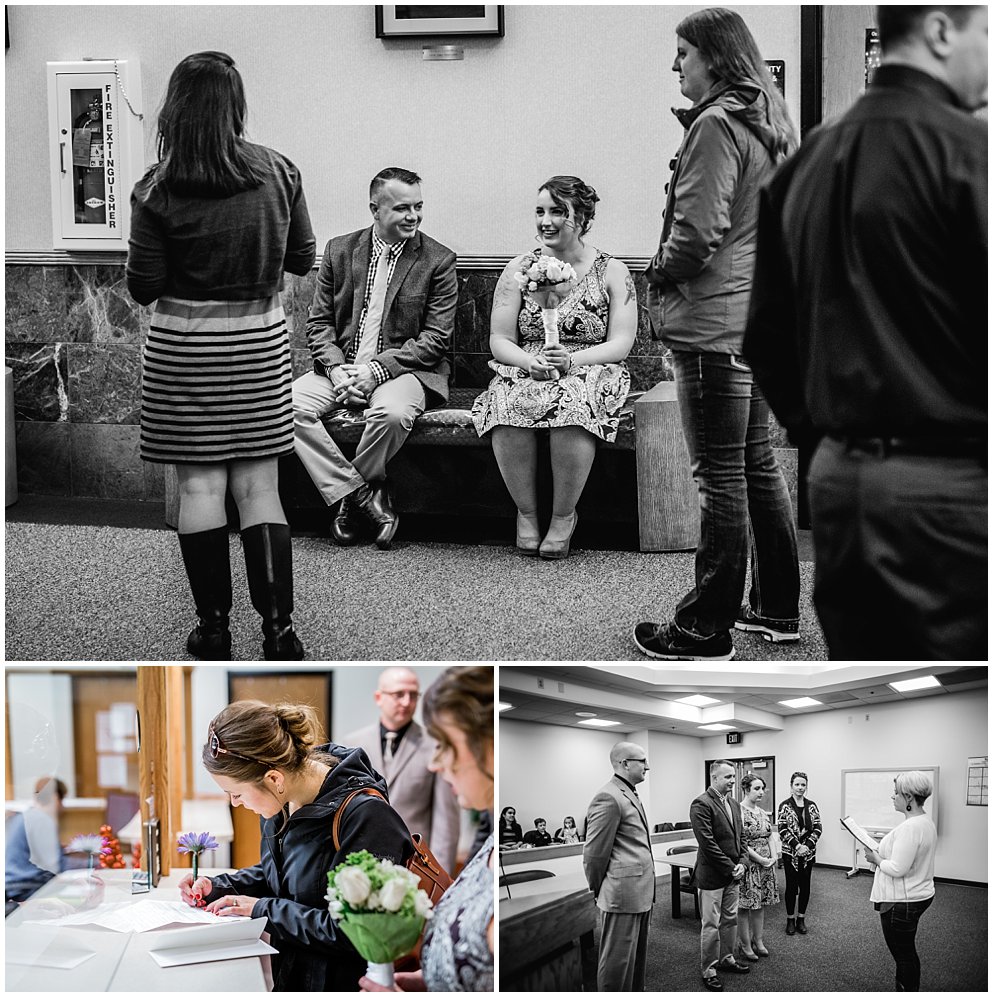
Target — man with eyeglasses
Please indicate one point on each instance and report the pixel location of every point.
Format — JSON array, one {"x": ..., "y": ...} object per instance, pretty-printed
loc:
[
  {"x": 617, "y": 860},
  {"x": 716, "y": 820},
  {"x": 401, "y": 750}
]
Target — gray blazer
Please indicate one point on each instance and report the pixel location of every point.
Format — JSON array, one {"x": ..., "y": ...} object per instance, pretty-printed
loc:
[
  {"x": 418, "y": 316},
  {"x": 426, "y": 802},
  {"x": 617, "y": 855}
]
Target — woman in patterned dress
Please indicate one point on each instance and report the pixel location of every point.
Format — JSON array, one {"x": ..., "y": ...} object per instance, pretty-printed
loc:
[
  {"x": 758, "y": 889},
  {"x": 214, "y": 224},
  {"x": 576, "y": 388},
  {"x": 457, "y": 953}
]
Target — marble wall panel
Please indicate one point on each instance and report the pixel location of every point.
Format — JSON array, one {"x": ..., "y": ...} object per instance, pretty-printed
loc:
[
  {"x": 106, "y": 462},
  {"x": 647, "y": 371},
  {"x": 43, "y": 465},
  {"x": 298, "y": 292},
  {"x": 471, "y": 370},
  {"x": 35, "y": 308},
  {"x": 472, "y": 315},
  {"x": 100, "y": 309},
  {"x": 40, "y": 381},
  {"x": 104, "y": 384}
]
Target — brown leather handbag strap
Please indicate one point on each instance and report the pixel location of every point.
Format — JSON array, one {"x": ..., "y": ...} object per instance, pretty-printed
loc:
[{"x": 367, "y": 791}]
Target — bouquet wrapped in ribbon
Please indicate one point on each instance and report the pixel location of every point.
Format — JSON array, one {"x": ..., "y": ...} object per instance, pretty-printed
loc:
[
  {"x": 380, "y": 908},
  {"x": 549, "y": 282}
]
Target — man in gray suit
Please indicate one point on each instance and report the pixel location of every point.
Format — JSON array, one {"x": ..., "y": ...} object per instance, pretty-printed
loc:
[
  {"x": 716, "y": 821},
  {"x": 617, "y": 860},
  {"x": 380, "y": 328},
  {"x": 401, "y": 750}
]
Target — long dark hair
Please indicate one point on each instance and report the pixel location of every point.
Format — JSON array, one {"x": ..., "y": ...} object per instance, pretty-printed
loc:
[
  {"x": 201, "y": 123},
  {"x": 732, "y": 55},
  {"x": 462, "y": 695}
]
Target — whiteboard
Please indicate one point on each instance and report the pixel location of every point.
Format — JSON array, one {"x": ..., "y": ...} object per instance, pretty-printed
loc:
[{"x": 866, "y": 795}]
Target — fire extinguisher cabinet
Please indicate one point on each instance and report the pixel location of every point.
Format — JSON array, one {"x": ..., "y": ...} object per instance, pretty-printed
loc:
[{"x": 95, "y": 124}]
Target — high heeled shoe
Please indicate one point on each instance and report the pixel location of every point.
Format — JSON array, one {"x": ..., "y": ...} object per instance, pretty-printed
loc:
[
  {"x": 527, "y": 540},
  {"x": 742, "y": 953},
  {"x": 557, "y": 550}
]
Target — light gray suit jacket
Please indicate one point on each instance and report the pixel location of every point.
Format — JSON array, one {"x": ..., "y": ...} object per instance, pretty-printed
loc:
[
  {"x": 427, "y": 804},
  {"x": 617, "y": 856}
]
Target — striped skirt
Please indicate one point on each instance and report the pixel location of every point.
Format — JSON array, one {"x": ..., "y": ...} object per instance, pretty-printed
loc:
[{"x": 216, "y": 382}]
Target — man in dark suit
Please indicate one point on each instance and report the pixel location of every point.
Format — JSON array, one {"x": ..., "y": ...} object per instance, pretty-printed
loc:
[
  {"x": 617, "y": 860},
  {"x": 379, "y": 329},
  {"x": 716, "y": 821}
]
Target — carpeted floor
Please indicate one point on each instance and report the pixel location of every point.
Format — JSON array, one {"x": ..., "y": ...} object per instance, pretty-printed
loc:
[
  {"x": 90, "y": 592},
  {"x": 844, "y": 950}
]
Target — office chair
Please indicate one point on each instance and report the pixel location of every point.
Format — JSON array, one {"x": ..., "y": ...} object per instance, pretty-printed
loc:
[{"x": 686, "y": 884}]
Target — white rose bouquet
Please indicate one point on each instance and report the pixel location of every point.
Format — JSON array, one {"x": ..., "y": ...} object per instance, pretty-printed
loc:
[
  {"x": 380, "y": 908},
  {"x": 549, "y": 281}
]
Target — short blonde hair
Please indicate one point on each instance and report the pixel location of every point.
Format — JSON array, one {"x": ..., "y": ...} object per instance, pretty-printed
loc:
[{"x": 915, "y": 784}]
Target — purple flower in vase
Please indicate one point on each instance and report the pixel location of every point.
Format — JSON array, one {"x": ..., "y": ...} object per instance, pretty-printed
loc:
[{"x": 195, "y": 844}]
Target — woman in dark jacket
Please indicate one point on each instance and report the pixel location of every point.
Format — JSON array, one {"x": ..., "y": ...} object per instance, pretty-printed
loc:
[
  {"x": 799, "y": 823},
  {"x": 737, "y": 131},
  {"x": 267, "y": 758},
  {"x": 213, "y": 226},
  {"x": 511, "y": 833}
]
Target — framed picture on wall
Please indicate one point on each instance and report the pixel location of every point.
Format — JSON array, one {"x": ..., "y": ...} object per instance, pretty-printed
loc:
[{"x": 438, "y": 20}]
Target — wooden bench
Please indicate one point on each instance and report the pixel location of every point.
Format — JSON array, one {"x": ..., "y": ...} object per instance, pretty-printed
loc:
[{"x": 667, "y": 510}]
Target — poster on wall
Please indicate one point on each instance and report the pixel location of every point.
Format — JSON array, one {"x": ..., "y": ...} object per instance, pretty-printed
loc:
[
  {"x": 977, "y": 794},
  {"x": 777, "y": 67},
  {"x": 873, "y": 54}
]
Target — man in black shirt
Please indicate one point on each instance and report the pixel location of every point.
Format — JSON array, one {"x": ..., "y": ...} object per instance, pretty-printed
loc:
[{"x": 867, "y": 333}]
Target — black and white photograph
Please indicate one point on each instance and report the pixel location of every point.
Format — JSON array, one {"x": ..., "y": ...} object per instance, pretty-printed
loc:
[
  {"x": 528, "y": 332},
  {"x": 776, "y": 829}
]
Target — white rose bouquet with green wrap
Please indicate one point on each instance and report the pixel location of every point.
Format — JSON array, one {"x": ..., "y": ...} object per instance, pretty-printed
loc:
[
  {"x": 380, "y": 908},
  {"x": 549, "y": 282}
]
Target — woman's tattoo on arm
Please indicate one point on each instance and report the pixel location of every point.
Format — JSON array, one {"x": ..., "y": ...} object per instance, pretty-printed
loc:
[{"x": 629, "y": 284}]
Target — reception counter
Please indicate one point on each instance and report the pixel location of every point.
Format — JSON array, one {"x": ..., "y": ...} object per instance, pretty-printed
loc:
[{"x": 547, "y": 924}]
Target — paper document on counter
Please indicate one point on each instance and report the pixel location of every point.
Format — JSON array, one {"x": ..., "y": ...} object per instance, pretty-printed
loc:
[
  {"x": 145, "y": 915},
  {"x": 186, "y": 947},
  {"x": 859, "y": 833},
  {"x": 66, "y": 957}
]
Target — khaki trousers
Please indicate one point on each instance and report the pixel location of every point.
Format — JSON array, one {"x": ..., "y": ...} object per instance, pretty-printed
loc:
[
  {"x": 719, "y": 927},
  {"x": 393, "y": 407}
]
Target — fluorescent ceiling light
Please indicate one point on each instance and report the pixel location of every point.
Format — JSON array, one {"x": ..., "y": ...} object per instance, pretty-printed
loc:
[
  {"x": 797, "y": 704},
  {"x": 910, "y": 685},
  {"x": 697, "y": 700},
  {"x": 505, "y": 706},
  {"x": 716, "y": 727},
  {"x": 601, "y": 723},
  {"x": 582, "y": 714}
]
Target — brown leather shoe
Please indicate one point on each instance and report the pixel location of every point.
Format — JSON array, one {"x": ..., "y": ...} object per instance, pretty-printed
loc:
[
  {"x": 346, "y": 526},
  {"x": 373, "y": 501}
]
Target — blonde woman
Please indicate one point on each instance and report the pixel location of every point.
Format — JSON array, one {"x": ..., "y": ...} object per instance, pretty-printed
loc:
[{"x": 903, "y": 887}]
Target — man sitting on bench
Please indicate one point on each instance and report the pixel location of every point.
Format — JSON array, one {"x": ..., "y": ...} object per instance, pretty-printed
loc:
[{"x": 380, "y": 327}]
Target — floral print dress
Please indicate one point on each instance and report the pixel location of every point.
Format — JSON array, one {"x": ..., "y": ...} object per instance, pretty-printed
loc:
[
  {"x": 759, "y": 887},
  {"x": 590, "y": 395}
]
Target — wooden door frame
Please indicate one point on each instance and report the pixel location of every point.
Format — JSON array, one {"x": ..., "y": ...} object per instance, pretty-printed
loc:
[{"x": 287, "y": 673}]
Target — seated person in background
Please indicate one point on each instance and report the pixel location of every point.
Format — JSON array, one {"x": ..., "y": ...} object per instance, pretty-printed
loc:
[
  {"x": 568, "y": 832},
  {"x": 539, "y": 836},
  {"x": 511, "y": 833},
  {"x": 573, "y": 387},
  {"x": 380, "y": 328},
  {"x": 32, "y": 853}
]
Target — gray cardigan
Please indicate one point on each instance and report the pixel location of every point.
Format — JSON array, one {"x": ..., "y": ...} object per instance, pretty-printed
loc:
[{"x": 220, "y": 248}]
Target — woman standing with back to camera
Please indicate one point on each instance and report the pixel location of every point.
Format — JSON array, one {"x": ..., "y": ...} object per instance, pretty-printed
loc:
[
  {"x": 214, "y": 223},
  {"x": 737, "y": 131}
]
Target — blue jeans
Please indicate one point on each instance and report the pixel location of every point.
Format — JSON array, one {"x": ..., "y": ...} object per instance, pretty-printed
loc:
[
  {"x": 726, "y": 425},
  {"x": 900, "y": 933}
]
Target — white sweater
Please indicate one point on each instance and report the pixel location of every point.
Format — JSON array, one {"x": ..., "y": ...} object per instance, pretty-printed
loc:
[{"x": 906, "y": 871}]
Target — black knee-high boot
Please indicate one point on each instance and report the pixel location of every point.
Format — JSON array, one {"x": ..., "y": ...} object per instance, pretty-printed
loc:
[
  {"x": 269, "y": 563},
  {"x": 205, "y": 555}
]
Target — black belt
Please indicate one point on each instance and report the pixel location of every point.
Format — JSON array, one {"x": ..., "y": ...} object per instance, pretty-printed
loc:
[{"x": 915, "y": 446}]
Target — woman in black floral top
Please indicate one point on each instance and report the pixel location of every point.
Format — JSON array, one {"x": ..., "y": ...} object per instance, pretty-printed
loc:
[{"x": 799, "y": 829}]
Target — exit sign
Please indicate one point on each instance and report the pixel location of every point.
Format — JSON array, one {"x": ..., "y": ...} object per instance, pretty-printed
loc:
[{"x": 735, "y": 737}]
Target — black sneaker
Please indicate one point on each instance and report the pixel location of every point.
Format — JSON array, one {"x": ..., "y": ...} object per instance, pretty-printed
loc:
[
  {"x": 778, "y": 631},
  {"x": 669, "y": 642}
]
